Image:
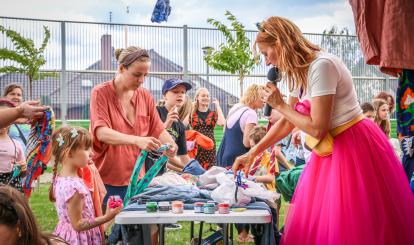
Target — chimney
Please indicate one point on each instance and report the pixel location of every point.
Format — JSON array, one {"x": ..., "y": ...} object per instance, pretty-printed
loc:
[{"x": 106, "y": 52}]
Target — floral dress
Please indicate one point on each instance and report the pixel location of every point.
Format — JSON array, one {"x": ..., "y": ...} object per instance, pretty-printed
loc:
[
  {"x": 65, "y": 188},
  {"x": 207, "y": 158}
]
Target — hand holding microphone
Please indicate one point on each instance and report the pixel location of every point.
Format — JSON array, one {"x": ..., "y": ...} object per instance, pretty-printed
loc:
[{"x": 273, "y": 75}]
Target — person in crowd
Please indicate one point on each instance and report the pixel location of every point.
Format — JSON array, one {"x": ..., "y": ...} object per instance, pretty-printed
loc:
[
  {"x": 368, "y": 110},
  {"x": 264, "y": 167},
  {"x": 12, "y": 158},
  {"x": 331, "y": 195},
  {"x": 240, "y": 121},
  {"x": 263, "y": 170},
  {"x": 204, "y": 121},
  {"x": 21, "y": 129},
  {"x": 71, "y": 150},
  {"x": 124, "y": 121},
  {"x": 388, "y": 98},
  {"x": 381, "y": 116},
  {"x": 174, "y": 91},
  {"x": 17, "y": 222}
]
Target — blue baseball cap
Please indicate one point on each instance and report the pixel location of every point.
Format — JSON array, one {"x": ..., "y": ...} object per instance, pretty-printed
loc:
[{"x": 174, "y": 82}]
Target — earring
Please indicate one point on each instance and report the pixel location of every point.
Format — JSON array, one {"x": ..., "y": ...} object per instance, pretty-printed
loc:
[{"x": 19, "y": 232}]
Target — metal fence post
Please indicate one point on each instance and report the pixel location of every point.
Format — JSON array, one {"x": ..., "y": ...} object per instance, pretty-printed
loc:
[
  {"x": 185, "y": 52},
  {"x": 63, "y": 83},
  {"x": 388, "y": 85}
]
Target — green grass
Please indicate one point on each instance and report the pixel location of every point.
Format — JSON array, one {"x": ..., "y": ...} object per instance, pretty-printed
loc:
[
  {"x": 46, "y": 217},
  {"x": 43, "y": 209}
]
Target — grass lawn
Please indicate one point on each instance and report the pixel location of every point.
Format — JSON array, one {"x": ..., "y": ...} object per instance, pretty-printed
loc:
[{"x": 45, "y": 213}]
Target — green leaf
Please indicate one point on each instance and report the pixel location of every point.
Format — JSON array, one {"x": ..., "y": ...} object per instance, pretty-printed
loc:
[
  {"x": 12, "y": 69},
  {"x": 6, "y": 54},
  {"x": 25, "y": 54}
]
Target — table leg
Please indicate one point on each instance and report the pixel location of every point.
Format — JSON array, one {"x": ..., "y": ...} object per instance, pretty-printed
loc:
[
  {"x": 231, "y": 233},
  {"x": 200, "y": 233},
  {"x": 162, "y": 234},
  {"x": 191, "y": 230},
  {"x": 226, "y": 234}
]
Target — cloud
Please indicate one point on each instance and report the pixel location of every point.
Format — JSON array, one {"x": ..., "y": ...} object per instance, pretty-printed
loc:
[{"x": 327, "y": 15}]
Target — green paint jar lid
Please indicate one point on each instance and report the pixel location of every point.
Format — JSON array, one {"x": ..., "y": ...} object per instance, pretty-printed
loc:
[{"x": 151, "y": 207}]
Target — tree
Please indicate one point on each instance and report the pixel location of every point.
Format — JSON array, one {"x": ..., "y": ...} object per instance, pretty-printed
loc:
[
  {"x": 235, "y": 56},
  {"x": 26, "y": 55}
]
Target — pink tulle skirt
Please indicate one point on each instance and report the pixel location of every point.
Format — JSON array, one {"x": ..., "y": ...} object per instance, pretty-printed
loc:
[{"x": 357, "y": 195}]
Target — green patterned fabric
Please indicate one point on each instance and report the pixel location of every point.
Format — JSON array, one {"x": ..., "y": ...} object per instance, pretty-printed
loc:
[{"x": 136, "y": 185}]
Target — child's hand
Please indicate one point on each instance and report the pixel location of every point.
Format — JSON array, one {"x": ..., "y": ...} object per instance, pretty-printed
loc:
[
  {"x": 216, "y": 102},
  {"x": 173, "y": 115},
  {"x": 112, "y": 212},
  {"x": 296, "y": 139},
  {"x": 22, "y": 164},
  {"x": 251, "y": 178},
  {"x": 114, "y": 201},
  {"x": 172, "y": 150}
]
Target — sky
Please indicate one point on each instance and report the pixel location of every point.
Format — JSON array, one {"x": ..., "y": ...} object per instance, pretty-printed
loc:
[{"x": 312, "y": 16}]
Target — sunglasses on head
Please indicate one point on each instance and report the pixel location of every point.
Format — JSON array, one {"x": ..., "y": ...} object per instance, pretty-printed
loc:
[{"x": 261, "y": 28}]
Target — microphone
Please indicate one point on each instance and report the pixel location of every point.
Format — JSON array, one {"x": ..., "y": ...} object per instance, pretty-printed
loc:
[{"x": 273, "y": 75}]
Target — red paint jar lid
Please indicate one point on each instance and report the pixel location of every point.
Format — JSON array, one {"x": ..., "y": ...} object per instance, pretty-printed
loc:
[{"x": 224, "y": 205}]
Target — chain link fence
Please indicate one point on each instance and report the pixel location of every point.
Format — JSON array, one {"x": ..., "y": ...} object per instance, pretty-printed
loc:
[{"x": 81, "y": 55}]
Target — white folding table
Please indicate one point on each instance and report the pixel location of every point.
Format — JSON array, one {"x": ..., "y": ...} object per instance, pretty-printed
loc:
[{"x": 249, "y": 216}]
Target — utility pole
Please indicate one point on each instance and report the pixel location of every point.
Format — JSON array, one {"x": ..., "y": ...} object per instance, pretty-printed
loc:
[{"x": 126, "y": 29}]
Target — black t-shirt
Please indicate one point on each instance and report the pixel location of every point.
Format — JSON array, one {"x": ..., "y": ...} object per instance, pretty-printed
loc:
[{"x": 177, "y": 131}]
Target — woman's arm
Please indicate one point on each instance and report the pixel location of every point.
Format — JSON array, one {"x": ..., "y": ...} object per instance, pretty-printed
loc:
[
  {"x": 277, "y": 132},
  {"x": 247, "y": 129},
  {"x": 318, "y": 123},
  {"x": 78, "y": 223},
  {"x": 28, "y": 109},
  {"x": 221, "y": 120},
  {"x": 113, "y": 137}
]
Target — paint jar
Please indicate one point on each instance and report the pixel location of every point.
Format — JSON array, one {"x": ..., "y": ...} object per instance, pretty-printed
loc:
[
  {"x": 215, "y": 207},
  {"x": 177, "y": 207},
  {"x": 224, "y": 208},
  {"x": 164, "y": 206},
  {"x": 151, "y": 207},
  {"x": 209, "y": 208},
  {"x": 198, "y": 207}
]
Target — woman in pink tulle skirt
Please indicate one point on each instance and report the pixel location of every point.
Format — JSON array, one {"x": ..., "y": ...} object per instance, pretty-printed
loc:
[{"x": 353, "y": 189}]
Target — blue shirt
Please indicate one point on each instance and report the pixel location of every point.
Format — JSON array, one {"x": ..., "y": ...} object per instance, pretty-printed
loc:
[{"x": 14, "y": 134}]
